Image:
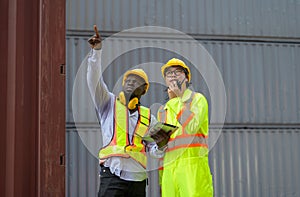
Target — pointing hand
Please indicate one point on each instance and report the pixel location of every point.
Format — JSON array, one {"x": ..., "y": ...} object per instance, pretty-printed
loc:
[{"x": 95, "y": 40}]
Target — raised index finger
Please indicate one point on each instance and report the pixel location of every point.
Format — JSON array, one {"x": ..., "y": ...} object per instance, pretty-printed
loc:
[{"x": 96, "y": 31}]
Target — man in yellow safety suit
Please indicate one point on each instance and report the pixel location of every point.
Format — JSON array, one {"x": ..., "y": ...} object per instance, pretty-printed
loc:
[{"x": 186, "y": 169}]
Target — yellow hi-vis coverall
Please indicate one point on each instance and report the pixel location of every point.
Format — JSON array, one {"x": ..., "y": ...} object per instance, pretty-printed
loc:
[{"x": 186, "y": 170}]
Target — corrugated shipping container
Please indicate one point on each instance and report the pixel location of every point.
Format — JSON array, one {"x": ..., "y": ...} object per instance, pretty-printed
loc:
[
  {"x": 32, "y": 103},
  {"x": 261, "y": 79},
  {"x": 255, "y": 45},
  {"x": 268, "y": 18},
  {"x": 245, "y": 162}
]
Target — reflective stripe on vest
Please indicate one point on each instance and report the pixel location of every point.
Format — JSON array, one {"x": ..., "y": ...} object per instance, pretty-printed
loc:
[
  {"x": 184, "y": 139},
  {"x": 186, "y": 115},
  {"x": 197, "y": 140},
  {"x": 120, "y": 144}
]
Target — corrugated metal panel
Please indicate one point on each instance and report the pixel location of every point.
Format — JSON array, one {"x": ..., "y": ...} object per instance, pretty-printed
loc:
[
  {"x": 256, "y": 162},
  {"x": 82, "y": 176},
  {"x": 113, "y": 74},
  {"x": 245, "y": 162},
  {"x": 235, "y": 17},
  {"x": 261, "y": 79},
  {"x": 75, "y": 53}
]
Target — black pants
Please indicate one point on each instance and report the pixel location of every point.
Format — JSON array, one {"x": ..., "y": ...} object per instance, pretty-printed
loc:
[{"x": 112, "y": 186}]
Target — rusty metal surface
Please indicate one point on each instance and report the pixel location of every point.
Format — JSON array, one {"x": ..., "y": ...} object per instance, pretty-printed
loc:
[
  {"x": 21, "y": 112},
  {"x": 3, "y": 88},
  {"x": 52, "y": 99},
  {"x": 32, "y": 98}
]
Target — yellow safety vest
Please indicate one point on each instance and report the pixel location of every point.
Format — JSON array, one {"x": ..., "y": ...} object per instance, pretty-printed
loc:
[
  {"x": 182, "y": 138},
  {"x": 120, "y": 145}
]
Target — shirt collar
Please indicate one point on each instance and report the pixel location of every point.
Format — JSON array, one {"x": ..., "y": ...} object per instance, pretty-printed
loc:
[{"x": 186, "y": 95}]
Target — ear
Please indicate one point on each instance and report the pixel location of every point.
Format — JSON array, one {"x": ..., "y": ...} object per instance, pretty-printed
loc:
[
  {"x": 144, "y": 92},
  {"x": 144, "y": 87}
]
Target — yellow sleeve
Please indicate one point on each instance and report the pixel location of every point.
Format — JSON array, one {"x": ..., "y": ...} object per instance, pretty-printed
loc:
[{"x": 194, "y": 119}]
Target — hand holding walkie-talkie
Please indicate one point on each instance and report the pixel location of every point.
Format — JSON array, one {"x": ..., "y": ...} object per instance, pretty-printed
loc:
[{"x": 177, "y": 88}]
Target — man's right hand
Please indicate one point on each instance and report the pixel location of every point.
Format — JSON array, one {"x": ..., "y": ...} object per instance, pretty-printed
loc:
[
  {"x": 95, "y": 40},
  {"x": 171, "y": 94}
]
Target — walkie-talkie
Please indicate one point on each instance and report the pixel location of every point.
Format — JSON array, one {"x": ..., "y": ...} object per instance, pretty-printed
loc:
[{"x": 179, "y": 84}]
